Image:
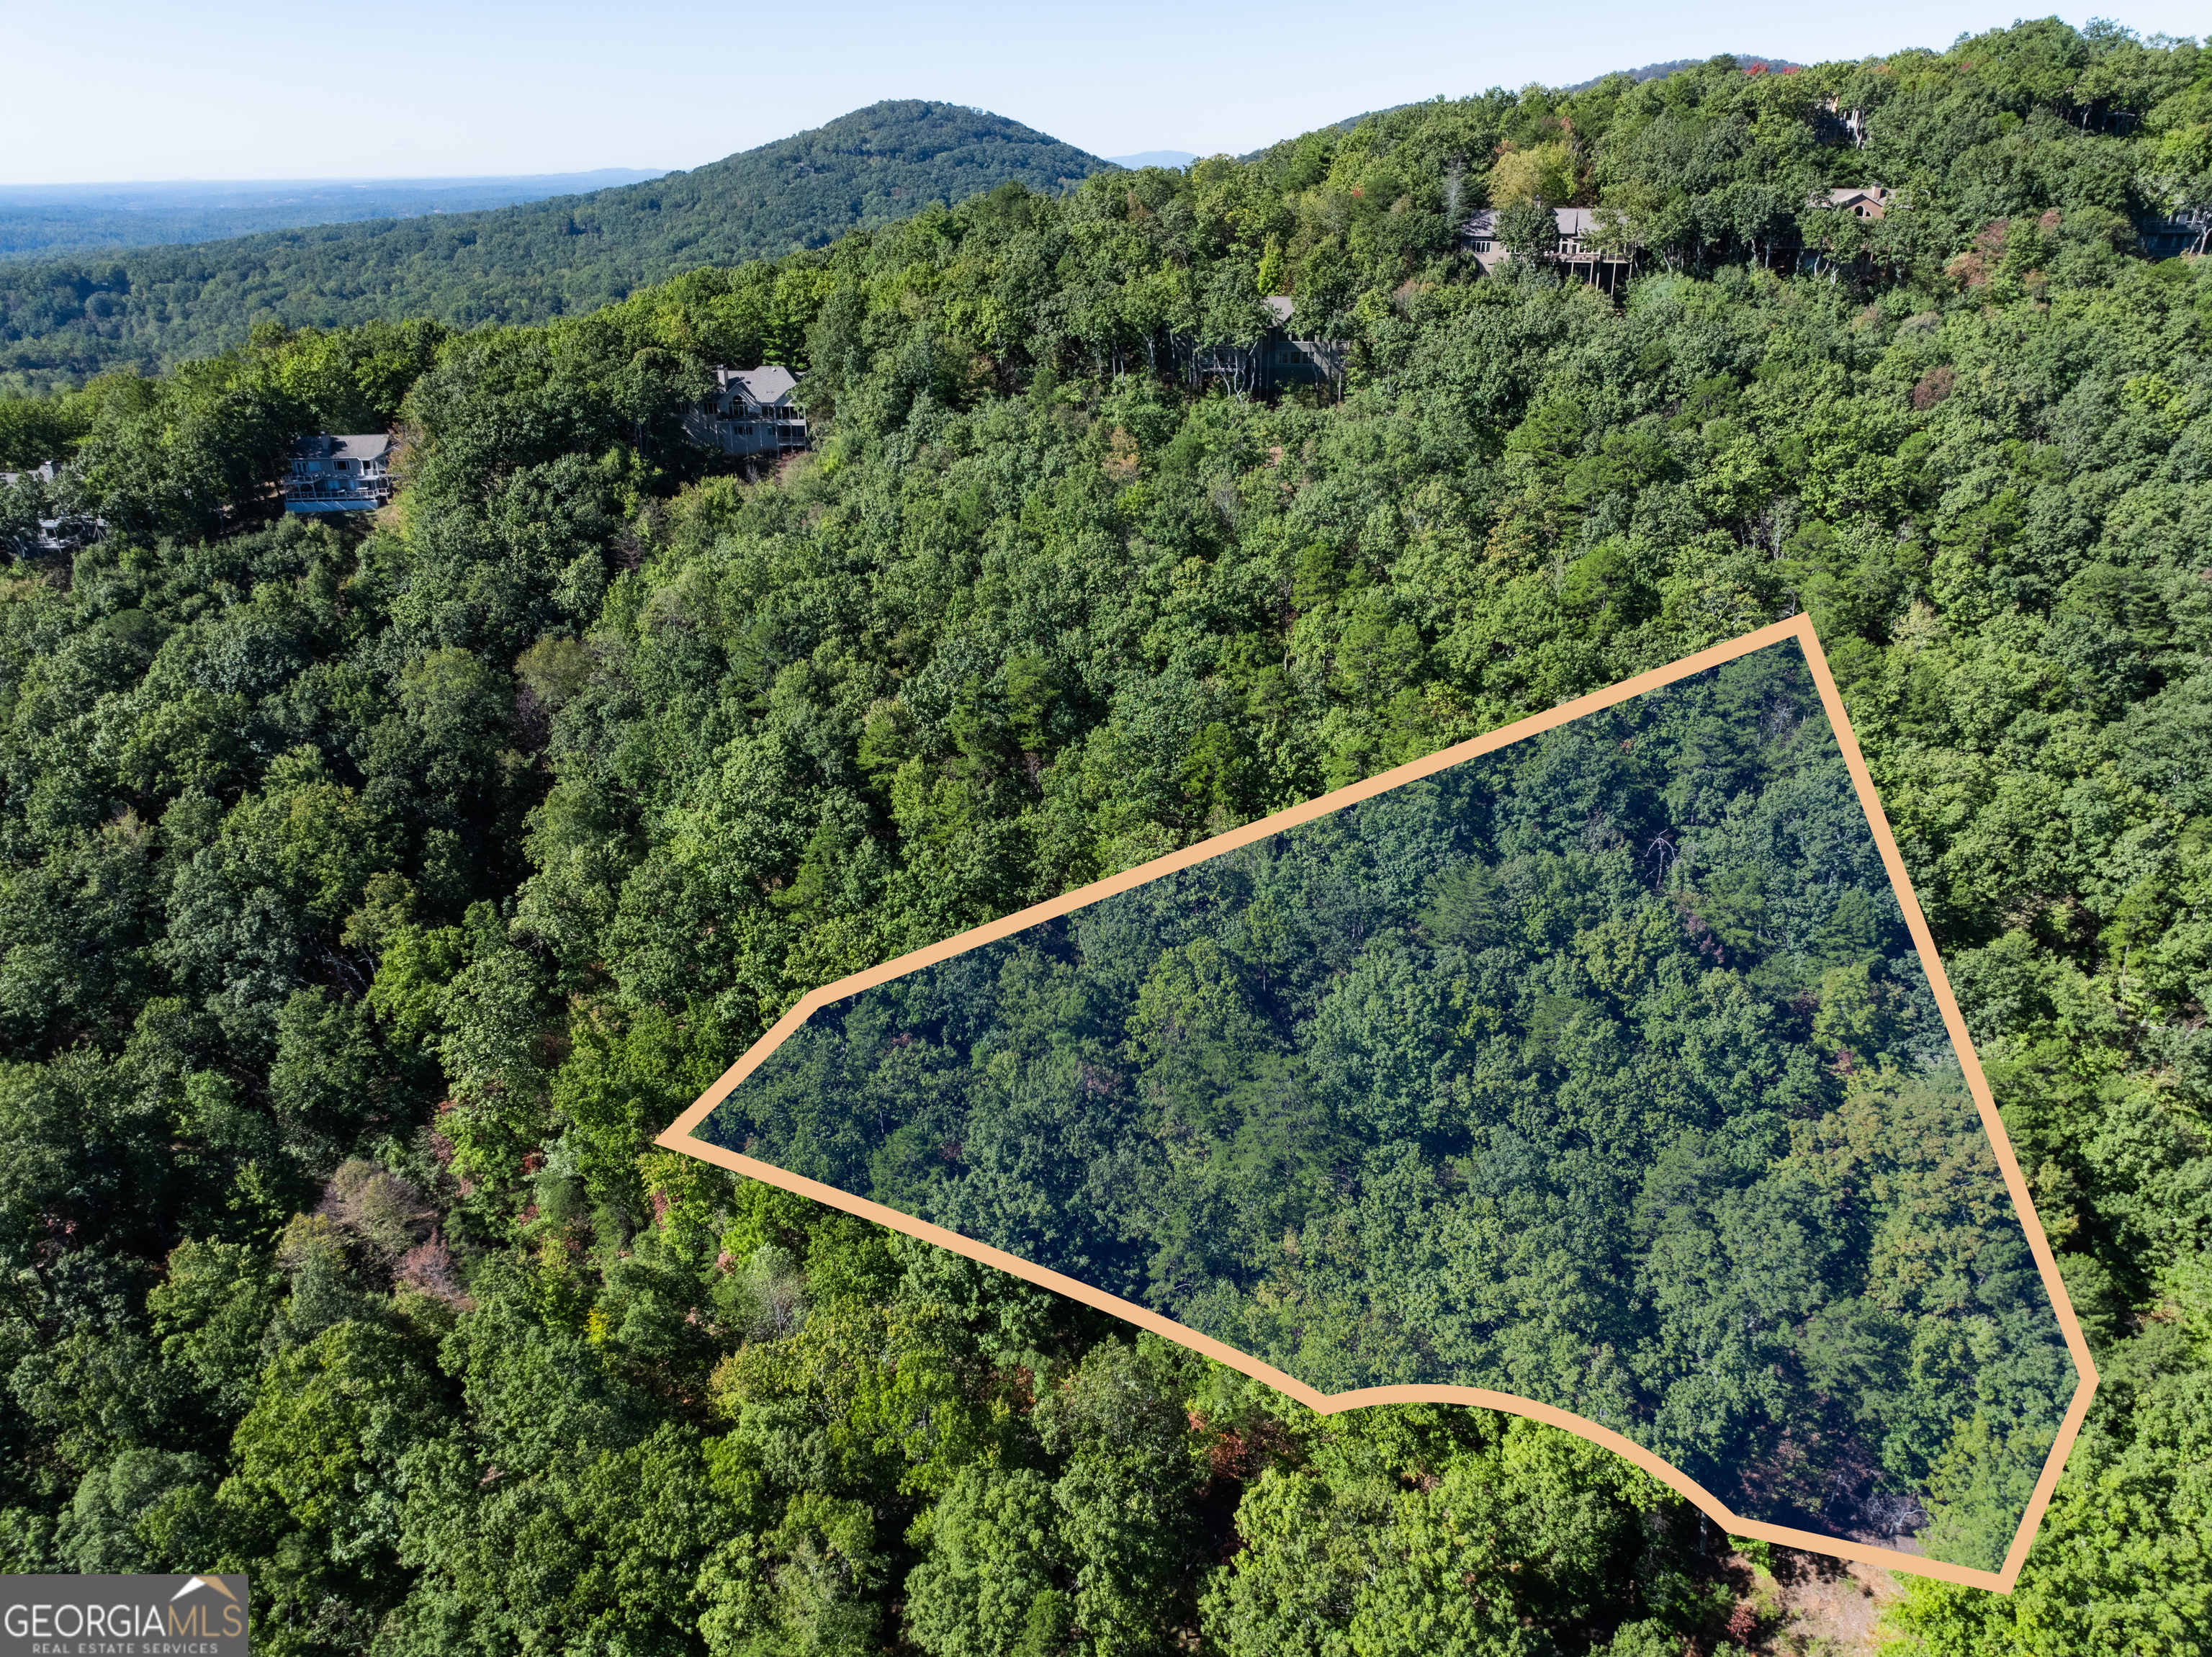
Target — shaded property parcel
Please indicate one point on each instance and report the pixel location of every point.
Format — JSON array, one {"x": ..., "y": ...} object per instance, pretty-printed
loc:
[{"x": 1600, "y": 1070}]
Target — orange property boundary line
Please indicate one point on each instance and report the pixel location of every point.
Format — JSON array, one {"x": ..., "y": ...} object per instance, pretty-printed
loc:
[{"x": 679, "y": 1134}]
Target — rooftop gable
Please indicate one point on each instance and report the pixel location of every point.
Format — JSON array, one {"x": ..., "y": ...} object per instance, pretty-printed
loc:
[
  {"x": 357, "y": 446},
  {"x": 771, "y": 382}
]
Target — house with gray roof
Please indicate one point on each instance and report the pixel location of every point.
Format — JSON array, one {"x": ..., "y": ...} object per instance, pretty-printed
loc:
[
  {"x": 1579, "y": 248},
  {"x": 351, "y": 473},
  {"x": 749, "y": 412}
]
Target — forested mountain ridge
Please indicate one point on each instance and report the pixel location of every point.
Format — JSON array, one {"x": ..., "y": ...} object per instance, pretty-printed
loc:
[
  {"x": 369, "y": 899},
  {"x": 62, "y": 320}
]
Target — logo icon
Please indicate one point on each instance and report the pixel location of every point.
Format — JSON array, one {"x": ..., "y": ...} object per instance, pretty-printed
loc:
[{"x": 215, "y": 1583}]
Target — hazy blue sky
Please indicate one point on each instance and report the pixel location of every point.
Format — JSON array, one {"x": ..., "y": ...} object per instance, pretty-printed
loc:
[{"x": 253, "y": 88}]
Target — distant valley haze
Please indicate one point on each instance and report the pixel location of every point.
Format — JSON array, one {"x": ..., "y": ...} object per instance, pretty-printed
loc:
[
  {"x": 37, "y": 219},
  {"x": 147, "y": 194}
]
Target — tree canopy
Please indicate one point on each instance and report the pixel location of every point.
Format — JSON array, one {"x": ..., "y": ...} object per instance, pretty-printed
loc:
[{"x": 1598, "y": 1069}]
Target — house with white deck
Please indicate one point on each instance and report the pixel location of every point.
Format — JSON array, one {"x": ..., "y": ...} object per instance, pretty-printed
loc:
[{"x": 339, "y": 474}]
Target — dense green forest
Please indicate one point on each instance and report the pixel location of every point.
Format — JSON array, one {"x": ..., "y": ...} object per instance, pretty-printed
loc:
[
  {"x": 53, "y": 219},
  {"x": 372, "y": 894},
  {"x": 1600, "y": 1070},
  {"x": 63, "y": 319}
]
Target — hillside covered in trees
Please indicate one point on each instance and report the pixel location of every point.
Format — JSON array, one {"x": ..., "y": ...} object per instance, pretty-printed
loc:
[
  {"x": 373, "y": 893},
  {"x": 62, "y": 320}
]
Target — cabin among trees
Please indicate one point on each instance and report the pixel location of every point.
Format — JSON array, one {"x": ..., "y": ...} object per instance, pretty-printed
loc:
[
  {"x": 1276, "y": 361},
  {"x": 339, "y": 474},
  {"x": 750, "y": 413},
  {"x": 1288, "y": 361},
  {"x": 2182, "y": 233},
  {"x": 1868, "y": 201},
  {"x": 41, "y": 474},
  {"x": 1579, "y": 244},
  {"x": 1578, "y": 247},
  {"x": 24, "y": 528}
]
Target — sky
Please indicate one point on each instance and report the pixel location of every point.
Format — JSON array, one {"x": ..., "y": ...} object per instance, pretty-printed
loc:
[{"x": 422, "y": 88}]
